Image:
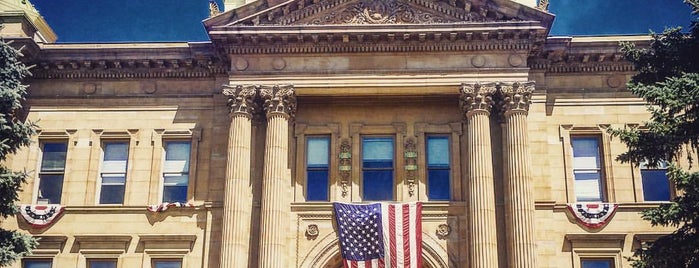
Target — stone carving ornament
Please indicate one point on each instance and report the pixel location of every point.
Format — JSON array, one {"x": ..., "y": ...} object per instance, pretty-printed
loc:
[
  {"x": 443, "y": 230},
  {"x": 477, "y": 97},
  {"x": 411, "y": 164},
  {"x": 279, "y": 99},
  {"x": 312, "y": 231},
  {"x": 516, "y": 96},
  {"x": 380, "y": 12},
  {"x": 345, "y": 165},
  {"x": 241, "y": 99}
]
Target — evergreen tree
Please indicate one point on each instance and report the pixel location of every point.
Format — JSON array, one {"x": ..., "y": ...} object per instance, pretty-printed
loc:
[
  {"x": 668, "y": 79},
  {"x": 14, "y": 133}
]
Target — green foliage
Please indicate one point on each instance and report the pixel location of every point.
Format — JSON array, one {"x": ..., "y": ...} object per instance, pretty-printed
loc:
[
  {"x": 668, "y": 79},
  {"x": 14, "y": 133}
]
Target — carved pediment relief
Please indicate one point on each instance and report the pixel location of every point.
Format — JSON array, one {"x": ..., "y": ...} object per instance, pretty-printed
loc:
[{"x": 360, "y": 12}]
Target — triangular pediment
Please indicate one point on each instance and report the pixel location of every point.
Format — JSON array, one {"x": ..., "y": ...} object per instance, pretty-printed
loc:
[{"x": 363, "y": 12}]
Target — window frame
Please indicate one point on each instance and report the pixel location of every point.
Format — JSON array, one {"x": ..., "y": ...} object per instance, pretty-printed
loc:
[
  {"x": 327, "y": 168},
  {"x": 159, "y": 139},
  {"x": 396, "y": 130},
  {"x": 599, "y": 169},
  {"x": 163, "y": 172},
  {"x": 99, "y": 182},
  {"x": 454, "y": 131},
  {"x": 393, "y": 167},
  {"x": 567, "y": 132},
  {"x": 301, "y": 131},
  {"x": 638, "y": 172},
  {"x": 168, "y": 259},
  {"x": 596, "y": 246},
  {"x": 611, "y": 261},
  {"x": 449, "y": 166},
  {"x": 41, "y": 173},
  {"x": 49, "y": 259},
  {"x": 88, "y": 261}
]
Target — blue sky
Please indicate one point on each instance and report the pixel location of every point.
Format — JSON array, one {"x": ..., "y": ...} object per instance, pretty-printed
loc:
[{"x": 180, "y": 20}]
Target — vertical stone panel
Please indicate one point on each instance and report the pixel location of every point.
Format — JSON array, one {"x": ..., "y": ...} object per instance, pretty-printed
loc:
[
  {"x": 237, "y": 204},
  {"x": 280, "y": 105},
  {"x": 519, "y": 202},
  {"x": 476, "y": 102}
]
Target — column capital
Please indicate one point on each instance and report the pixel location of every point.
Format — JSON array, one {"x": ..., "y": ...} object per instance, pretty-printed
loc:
[
  {"x": 516, "y": 97},
  {"x": 279, "y": 99},
  {"x": 241, "y": 99},
  {"x": 476, "y": 97}
]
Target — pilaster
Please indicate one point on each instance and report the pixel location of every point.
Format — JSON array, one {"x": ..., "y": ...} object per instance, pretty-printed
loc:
[
  {"x": 237, "y": 206},
  {"x": 280, "y": 107},
  {"x": 476, "y": 101},
  {"x": 519, "y": 202}
]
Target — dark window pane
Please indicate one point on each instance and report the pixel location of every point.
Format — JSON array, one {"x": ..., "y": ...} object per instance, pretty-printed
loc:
[
  {"x": 28, "y": 263},
  {"x": 378, "y": 184},
  {"x": 317, "y": 185},
  {"x": 175, "y": 194},
  {"x": 102, "y": 264},
  {"x": 656, "y": 186},
  {"x": 54, "y": 156},
  {"x": 50, "y": 188},
  {"x": 378, "y": 164},
  {"x": 112, "y": 194},
  {"x": 597, "y": 264},
  {"x": 167, "y": 264},
  {"x": 438, "y": 184}
]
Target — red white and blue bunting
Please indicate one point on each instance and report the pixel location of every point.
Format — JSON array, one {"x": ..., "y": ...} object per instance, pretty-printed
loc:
[
  {"x": 40, "y": 216},
  {"x": 164, "y": 206},
  {"x": 593, "y": 215}
]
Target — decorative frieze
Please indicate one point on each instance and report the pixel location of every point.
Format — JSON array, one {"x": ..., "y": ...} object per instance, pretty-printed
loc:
[{"x": 128, "y": 68}]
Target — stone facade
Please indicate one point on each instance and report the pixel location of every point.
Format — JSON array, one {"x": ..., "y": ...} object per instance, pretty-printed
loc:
[{"x": 483, "y": 74}]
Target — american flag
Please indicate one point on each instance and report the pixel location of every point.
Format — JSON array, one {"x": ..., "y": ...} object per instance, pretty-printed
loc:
[{"x": 380, "y": 235}]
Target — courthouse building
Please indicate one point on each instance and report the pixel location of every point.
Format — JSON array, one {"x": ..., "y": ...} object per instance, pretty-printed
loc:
[{"x": 230, "y": 152}]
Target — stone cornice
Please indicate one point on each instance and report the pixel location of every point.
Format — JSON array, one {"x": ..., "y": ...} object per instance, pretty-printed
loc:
[
  {"x": 505, "y": 36},
  {"x": 115, "y": 61},
  {"x": 584, "y": 54}
]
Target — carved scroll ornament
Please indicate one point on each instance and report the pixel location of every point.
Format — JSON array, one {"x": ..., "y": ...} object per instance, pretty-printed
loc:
[
  {"x": 411, "y": 164},
  {"x": 477, "y": 97},
  {"x": 241, "y": 99},
  {"x": 516, "y": 96},
  {"x": 279, "y": 99},
  {"x": 345, "y": 166},
  {"x": 380, "y": 12}
]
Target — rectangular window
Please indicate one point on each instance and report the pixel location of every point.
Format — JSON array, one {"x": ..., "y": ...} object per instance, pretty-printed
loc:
[
  {"x": 102, "y": 263},
  {"x": 377, "y": 168},
  {"x": 167, "y": 263},
  {"x": 597, "y": 263},
  {"x": 656, "y": 186},
  {"x": 113, "y": 172},
  {"x": 37, "y": 263},
  {"x": 53, "y": 163},
  {"x": 317, "y": 168},
  {"x": 438, "y": 168},
  {"x": 176, "y": 171},
  {"x": 587, "y": 169}
]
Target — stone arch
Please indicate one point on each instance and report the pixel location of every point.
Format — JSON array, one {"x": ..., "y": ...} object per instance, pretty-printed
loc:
[{"x": 326, "y": 254}]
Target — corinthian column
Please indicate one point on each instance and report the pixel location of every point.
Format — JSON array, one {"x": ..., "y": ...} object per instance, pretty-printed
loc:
[
  {"x": 280, "y": 105},
  {"x": 237, "y": 203},
  {"x": 476, "y": 102},
  {"x": 519, "y": 202}
]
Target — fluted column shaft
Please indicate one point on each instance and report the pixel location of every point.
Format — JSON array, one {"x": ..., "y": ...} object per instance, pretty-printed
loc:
[
  {"x": 237, "y": 203},
  {"x": 519, "y": 201},
  {"x": 476, "y": 102},
  {"x": 280, "y": 106}
]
